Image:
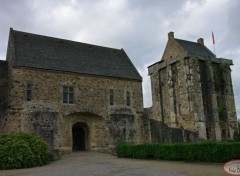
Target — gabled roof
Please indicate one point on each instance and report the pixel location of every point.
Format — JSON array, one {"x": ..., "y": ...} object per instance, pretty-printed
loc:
[
  {"x": 3, "y": 69},
  {"x": 195, "y": 48},
  {"x": 45, "y": 52}
]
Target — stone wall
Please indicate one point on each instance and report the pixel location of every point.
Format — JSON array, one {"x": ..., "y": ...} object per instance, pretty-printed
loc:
[
  {"x": 161, "y": 133},
  {"x": 184, "y": 93},
  {"x": 172, "y": 48},
  {"x": 224, "y": 100},
  {"x": 3, "y": 92},
  {"x": 176, "y": 90},
  {"x": 43, "y": 122},
  {"x": 207, "y": 91},
  {"x": 48, "y": 116},
  {"x": 157, "y": 97},
  {"x": 121, "y": 126}
]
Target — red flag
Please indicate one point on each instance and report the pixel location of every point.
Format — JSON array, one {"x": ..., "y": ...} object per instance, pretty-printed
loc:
[{"x": 213, "y": 39}]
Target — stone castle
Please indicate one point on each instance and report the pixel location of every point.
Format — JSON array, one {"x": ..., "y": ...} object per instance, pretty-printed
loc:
[
  {"x": 192, "y": 89},
  {"x": 79, "y": 96}
]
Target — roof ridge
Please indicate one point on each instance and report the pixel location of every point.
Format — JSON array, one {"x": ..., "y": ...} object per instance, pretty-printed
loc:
[
  {"x": 61, "y": 39},
  {"x": 195, "y": 47},
  {"x": 186, "y": 41}
]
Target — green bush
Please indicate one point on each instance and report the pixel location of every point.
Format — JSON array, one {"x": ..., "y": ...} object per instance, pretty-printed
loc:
[
  {"x": 210, "y": 151},
  {"x": 21, "y": 150}
]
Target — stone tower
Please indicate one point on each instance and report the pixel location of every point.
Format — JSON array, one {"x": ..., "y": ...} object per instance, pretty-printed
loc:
[{"x": 192, "y": 89}]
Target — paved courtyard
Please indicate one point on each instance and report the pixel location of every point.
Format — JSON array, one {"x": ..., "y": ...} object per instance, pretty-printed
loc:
[{"x": 97, "y": 164}]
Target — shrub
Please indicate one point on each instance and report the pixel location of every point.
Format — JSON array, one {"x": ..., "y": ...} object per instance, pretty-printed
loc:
[
  {"x": 21, "y": 150},
  {"x": 210, "y": 151}
]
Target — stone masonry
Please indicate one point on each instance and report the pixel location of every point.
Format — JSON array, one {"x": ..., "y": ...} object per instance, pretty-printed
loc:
[
  {"x": 79, "y": 96},
  {"x": 46, "y": 112},
  {"x": 192, "y": 90},
  {"x": 3, "y": 88},
  {"x": 100, "y": 124}
]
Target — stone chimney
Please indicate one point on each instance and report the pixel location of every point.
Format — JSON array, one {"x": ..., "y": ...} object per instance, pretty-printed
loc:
[
  {"x": 200, "y": 41},
  {"x": 170, "y": 35}
]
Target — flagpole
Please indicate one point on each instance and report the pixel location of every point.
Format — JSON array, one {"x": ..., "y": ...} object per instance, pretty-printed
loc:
[
  {"x": 214, "y": 49},
  {"x": 213, "y": 42}
]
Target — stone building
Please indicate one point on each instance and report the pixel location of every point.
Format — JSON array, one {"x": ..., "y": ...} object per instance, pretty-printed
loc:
[
  {"x": 76, "y": 96},
  {"x": 192, "y": 90},
  {"x": 79, "y": 96}
]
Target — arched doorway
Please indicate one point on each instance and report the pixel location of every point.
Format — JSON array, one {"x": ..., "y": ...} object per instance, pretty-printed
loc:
[{"x": 79, "y": 136}]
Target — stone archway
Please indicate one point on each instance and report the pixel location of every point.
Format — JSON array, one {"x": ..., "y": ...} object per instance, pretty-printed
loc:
[{"x": 80, "y": 136}]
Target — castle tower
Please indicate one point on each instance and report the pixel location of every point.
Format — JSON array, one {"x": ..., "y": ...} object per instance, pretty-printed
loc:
[{"x": 192, "y": 89}]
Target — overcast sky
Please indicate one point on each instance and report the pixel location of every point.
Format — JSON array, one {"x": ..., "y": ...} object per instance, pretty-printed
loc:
[{"x": 140, "y": 27}]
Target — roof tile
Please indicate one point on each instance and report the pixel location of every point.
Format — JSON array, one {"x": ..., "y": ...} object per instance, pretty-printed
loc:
[
  {"x": 45, "y": 52},
  {"x": 195, "y": 48}
]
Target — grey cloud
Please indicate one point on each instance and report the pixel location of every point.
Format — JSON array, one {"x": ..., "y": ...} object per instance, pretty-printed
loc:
[
  {"x": 13, "y": 14},
  {"x": 233, "y": 23},
  {"x": 156, "y": 6}
]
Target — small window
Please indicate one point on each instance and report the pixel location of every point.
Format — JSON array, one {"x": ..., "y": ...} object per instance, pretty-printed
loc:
[
  {"x": 128, "y": 98},
  {"x": 111, "y": 97},
  {"x": 68, "y": 94},
  {"x": 179, "y": 109},
  {"x": 29, "y": 92}
]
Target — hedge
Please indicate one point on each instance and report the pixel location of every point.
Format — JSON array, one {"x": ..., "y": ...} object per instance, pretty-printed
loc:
[
  {"x": 209, "y": 151},
  {"x": 21, "y": 150}
]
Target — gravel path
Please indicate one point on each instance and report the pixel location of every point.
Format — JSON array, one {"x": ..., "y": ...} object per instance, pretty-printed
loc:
[{"x": 97, "y": 164}]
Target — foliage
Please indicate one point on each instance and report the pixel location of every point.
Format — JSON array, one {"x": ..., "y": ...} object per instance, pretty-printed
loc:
[
  {"x": 21, "y": 150},
  {"x": 237, "y": 132},
  {"x": 210, "y": 151}
]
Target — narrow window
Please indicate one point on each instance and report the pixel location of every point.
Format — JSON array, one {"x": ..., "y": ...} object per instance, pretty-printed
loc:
[
  {"x": 128, "y": 98},
  {"x": 111, "y": 97},
  {"x": 68, "y": 94},
  {"x": 179, "y": 109},
  {"x": 29, "y": 92}
]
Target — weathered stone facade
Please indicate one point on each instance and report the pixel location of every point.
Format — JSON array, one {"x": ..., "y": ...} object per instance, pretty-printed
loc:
[
  {"x": 3, "y": 88},
  {"x": 160, "y": 132},
  {"x": 90, "y": 123},
  {"x": 47, "y": 114},
  {"x": 79, "y": 96},
  {"x": 192, "y": 90}
]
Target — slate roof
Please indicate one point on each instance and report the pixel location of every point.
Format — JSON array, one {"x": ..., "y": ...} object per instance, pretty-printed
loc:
[
  {"x": 3, "y": 69},
  {"x": 37, "y": 51},
  {"x": 195, "y": 48}
]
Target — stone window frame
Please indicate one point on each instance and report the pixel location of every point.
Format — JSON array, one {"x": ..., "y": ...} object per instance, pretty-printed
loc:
[
  {"x": 29, "y": 91},
  {"x": 111, "y": 94},
  {"x": 179, "y": 109},
  {"x": 68, "y": 91},
  {"x": 128, "y": 98}
]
